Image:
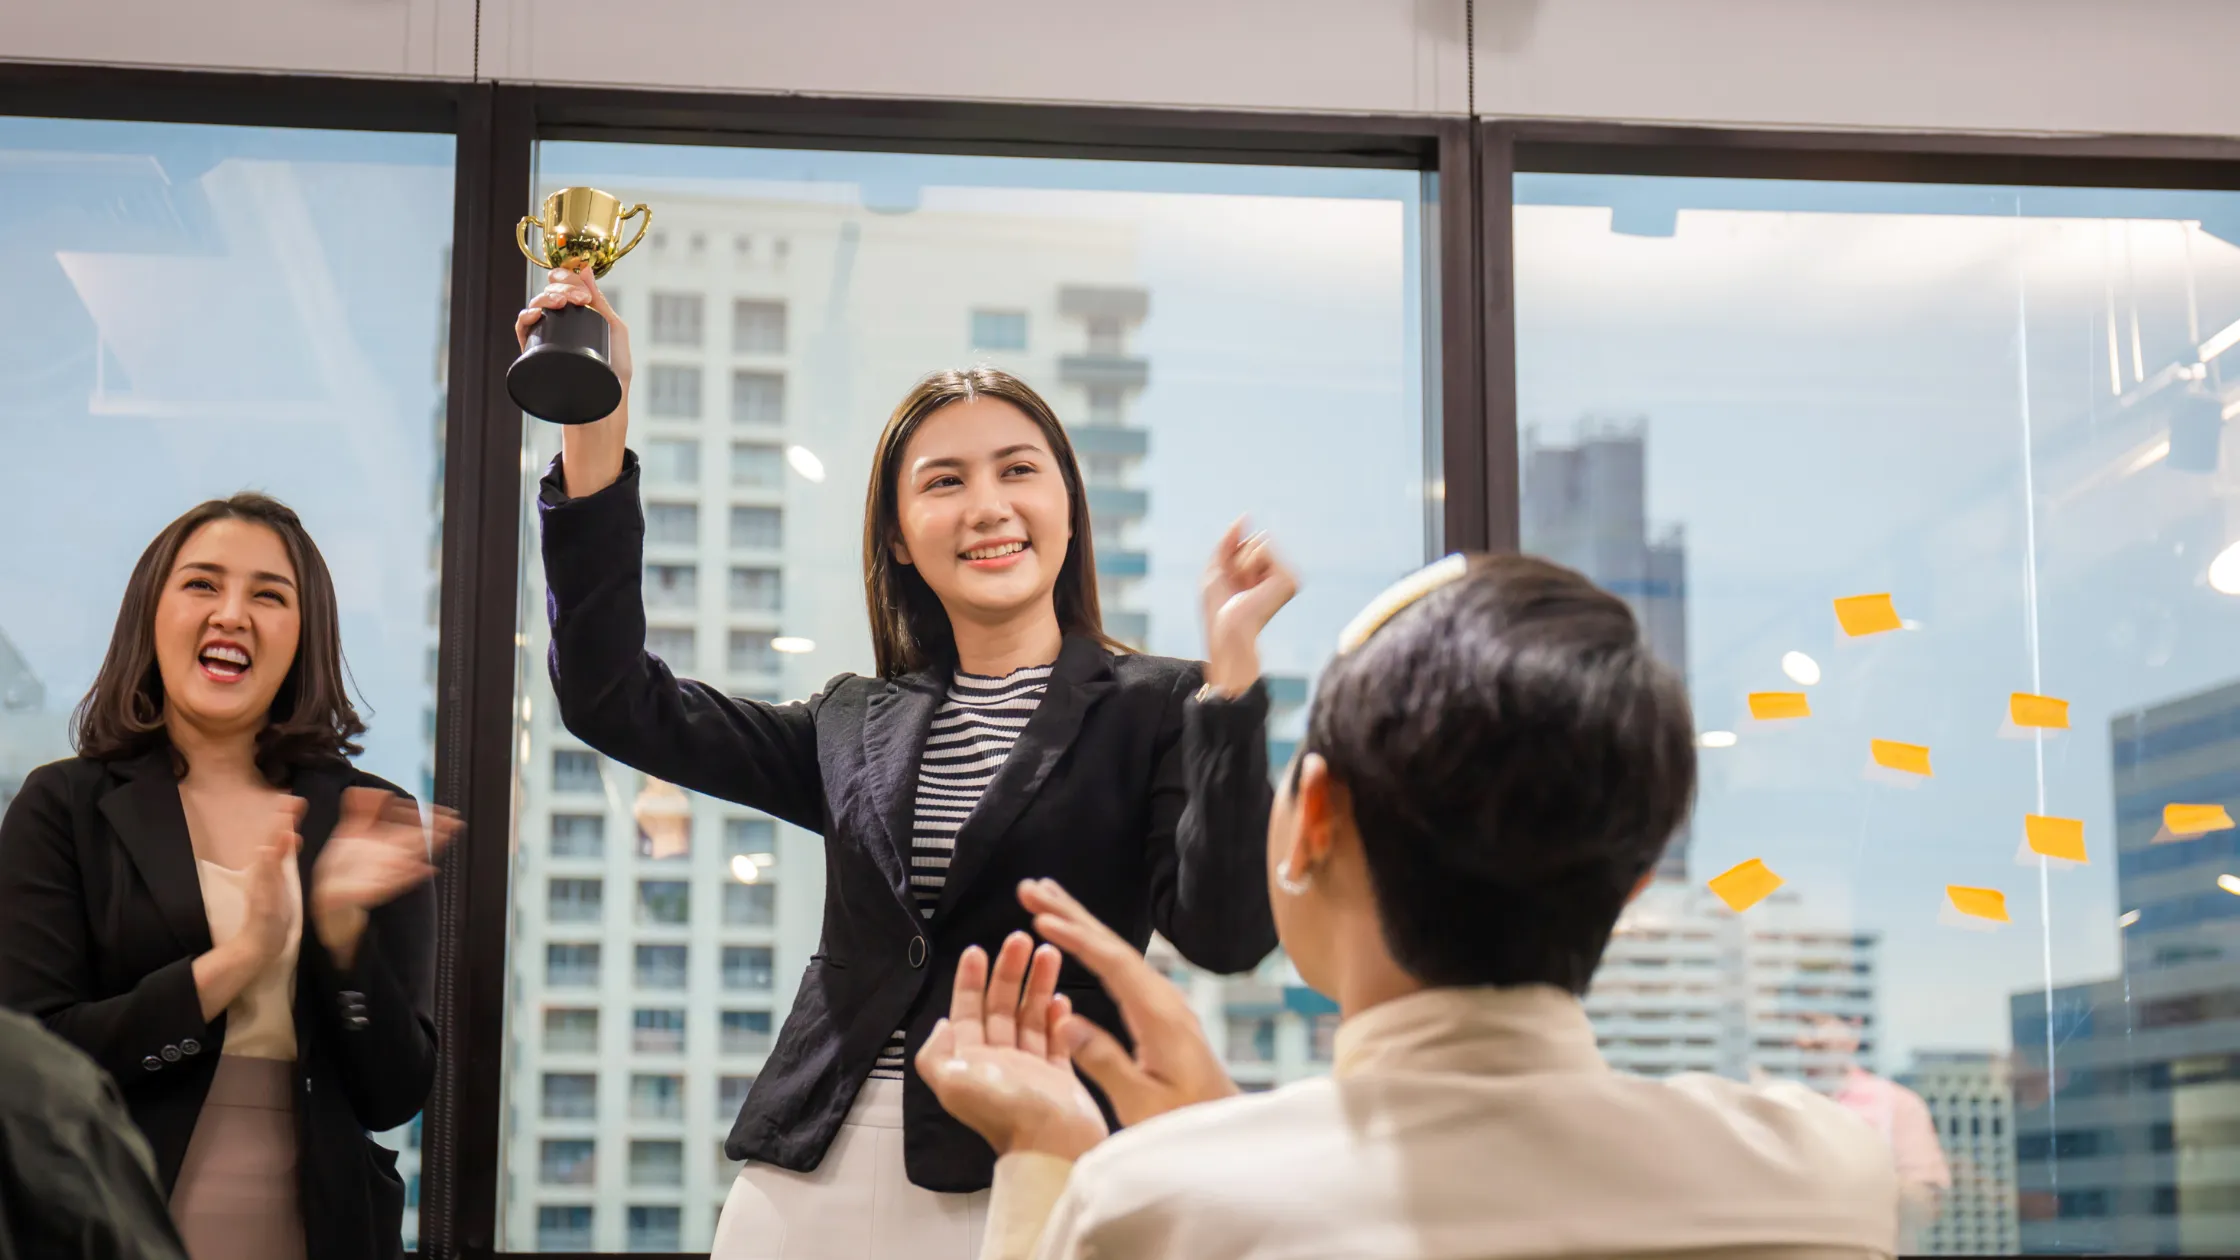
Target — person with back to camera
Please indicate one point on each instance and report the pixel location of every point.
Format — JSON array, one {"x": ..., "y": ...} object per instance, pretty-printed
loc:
[
  {"x": 1003, "y": 736},
  {"x": 1493, "y": 764},
  {"x": 227, "y": 916}
]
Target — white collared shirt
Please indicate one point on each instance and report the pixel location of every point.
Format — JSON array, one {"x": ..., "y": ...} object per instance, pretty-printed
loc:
[{"x": 1466, "y": 1124}]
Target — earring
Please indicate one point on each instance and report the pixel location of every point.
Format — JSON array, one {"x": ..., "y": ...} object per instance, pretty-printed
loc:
[{"x": 1292, "y": 886}]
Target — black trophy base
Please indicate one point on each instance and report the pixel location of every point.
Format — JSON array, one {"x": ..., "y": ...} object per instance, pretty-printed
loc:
[{"x": 563, "y": 375}]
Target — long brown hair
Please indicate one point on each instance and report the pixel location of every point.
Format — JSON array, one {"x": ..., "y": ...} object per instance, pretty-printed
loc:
[
  {"x": 312, "y": 721},
  {"x": 909, "y": 628}
]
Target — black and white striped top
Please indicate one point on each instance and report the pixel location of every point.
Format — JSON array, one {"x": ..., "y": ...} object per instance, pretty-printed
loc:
[{"x": 972, "y": 733}]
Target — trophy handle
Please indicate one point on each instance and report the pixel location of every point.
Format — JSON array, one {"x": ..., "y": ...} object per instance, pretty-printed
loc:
[
  {"x": 644, "y": 222},
  {"x": 521, "y": 239}
]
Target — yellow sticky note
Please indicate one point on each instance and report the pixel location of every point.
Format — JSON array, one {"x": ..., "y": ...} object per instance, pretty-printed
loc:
[
  {"x": 1979, "y": 903},
  {"x": 1746, "y": 884},
  {"x": 1866, "y": 614},
  {"x": 2195, "y": 820},
  {"x": 2055, "y": 837},
  {"x": 1911, "y": 758},
  {"x": 1767, "y": 706},
  {"x": 2045, "y": 711}
]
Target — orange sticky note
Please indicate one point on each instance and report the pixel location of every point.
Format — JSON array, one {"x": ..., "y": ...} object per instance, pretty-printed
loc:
[
  {"x": 2195, "y": 820},
  {"x": 1767, "y": 706},
  {"x": 1979, "y": 903},
  {"x": 2055, "y": 837},
  {"x": 2045, "y": 711},
  {"x": 1745, "y": 884},
  {"x": 1911, "y": 758},
  {"x": 1866, "y": 614}
]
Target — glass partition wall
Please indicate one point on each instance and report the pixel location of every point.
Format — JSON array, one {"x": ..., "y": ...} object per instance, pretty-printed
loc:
[{"x": 1754, "y": 383}]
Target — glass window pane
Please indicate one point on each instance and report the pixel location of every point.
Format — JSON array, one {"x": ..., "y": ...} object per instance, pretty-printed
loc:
[
  {"x": 675, "y": 645},
  {"x": 746, "y": 1032},
  {"x": 755, "y": 590},
  {"x": 571, "y": 1030},
  {"x": 746, "y": 967},
  {"x": 1006, "y": 330},
  {"x": 758, "y": 399},
  {"x": 673, "y": 523},
  {"x": 180, "y": 325},
  {"x": 672, "y": 391},
  {"x": 672, "y": 586},
  {"x": 758, "y": 326},
  {"x": 745, "y": 837},
  {"x": 670, "y": 461},
  {"x": 756, "y": 466},
  {"x": 750, "y": 905},
  {"x": 563, "y": 1228},
  {"x": 657, "y": 1164},
  {"x": 757, "y": 529},
  {"x": 573, "y": 900},
  {"x": 571, "y": 1096},
  {"x": 574, "y": 770},
  {"x": 664, "y": 901},
  {"x": 752, "y": 652},
  {"x": 571, "y": 966},
  {"x": 660, "y": 966},
  {"x": 657, "y": 1031},
  {"x": 2000, "y": 412},
  {"x": 567, "y": 1163},
  {"x": 1206, "y": 333},
  {"x": 578, "y": 835},
  {"x": 675, "y": 319},
  {"x": 656, "y": 1097}
]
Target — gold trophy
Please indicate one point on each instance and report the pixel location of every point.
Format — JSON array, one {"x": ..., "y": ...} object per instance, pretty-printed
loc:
[{"x": 563, "y": 374}]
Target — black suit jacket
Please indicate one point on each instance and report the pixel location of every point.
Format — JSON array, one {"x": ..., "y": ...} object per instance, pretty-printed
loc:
[
  {"x": 101, "y": 918},
  {"x": 1148, "y": 805}
]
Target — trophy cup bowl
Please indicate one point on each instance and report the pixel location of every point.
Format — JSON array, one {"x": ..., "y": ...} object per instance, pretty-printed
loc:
[{"x": 563, "y": 374}]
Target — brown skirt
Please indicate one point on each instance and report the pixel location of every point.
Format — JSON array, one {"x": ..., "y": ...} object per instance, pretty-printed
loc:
[{"x": 237, "y": 1196}]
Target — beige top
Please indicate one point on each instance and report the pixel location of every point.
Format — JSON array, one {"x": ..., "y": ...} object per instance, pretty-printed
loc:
[
  {"x": 1467, "y": 1124},
  {"x": 261, "y": 1022}
]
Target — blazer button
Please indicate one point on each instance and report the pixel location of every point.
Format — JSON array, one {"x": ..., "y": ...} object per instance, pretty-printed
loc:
[
  {"x": 152, "y": 1063},
  {"x": 355, "y": 1022},
  {"x": 917, "y": 951},
  {"x": 170, "y": 1054},
  {"x": 190, "y": 1046}
]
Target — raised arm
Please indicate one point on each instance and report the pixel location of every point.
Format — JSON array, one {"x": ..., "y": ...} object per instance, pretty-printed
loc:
[
  {"x": 1210, "y": 796},
  {"x": 613, "y": 694}
]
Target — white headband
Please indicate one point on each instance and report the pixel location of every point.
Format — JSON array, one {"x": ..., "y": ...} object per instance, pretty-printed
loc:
[{"x": 1398, "y": 596}]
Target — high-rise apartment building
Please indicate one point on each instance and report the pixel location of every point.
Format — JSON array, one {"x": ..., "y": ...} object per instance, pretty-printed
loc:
[
  {"x": 658, "y": 937},
  {"x": 29, "y": 735},
  {"x": 1687, "y": 985},
  {"x": 1586, "y": 505},
  {"x": 1971, "y": 1102},
  {"x": 2132, "y": 1142}
]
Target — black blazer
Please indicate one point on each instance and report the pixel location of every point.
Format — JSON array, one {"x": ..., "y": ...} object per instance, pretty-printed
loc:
[
  {"x": 1148, "y": 805},
  {"x": 101, "y": 918}
]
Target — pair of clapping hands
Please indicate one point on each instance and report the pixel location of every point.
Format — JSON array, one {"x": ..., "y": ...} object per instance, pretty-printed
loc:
[{"x": 1003, "y": 1061}]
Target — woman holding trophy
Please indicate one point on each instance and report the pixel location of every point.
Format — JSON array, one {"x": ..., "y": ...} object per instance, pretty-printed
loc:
[{"x": 1002, "y": 736}]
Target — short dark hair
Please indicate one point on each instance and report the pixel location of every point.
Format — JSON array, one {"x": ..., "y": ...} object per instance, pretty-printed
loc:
[
  {"x": 1517, "y": 760},
  {"x": 312, "y": 721}
]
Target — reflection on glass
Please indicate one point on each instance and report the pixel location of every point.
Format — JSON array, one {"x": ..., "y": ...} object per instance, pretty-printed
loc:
[
  {"x": 182, "y": 323},
  {"x": 1218, "y": 340},
  {"x": 2005, "y": 409}
]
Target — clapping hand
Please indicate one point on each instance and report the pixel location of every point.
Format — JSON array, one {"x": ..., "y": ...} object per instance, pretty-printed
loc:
[
  {"x": 377, "y": 852},
  {"x": 1172, "y": 1066},
  {"x": 1245, "y": 584},
  {"x": 993, "y": 1062}
]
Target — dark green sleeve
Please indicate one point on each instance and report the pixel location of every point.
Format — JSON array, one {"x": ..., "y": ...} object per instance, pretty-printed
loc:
[{"x": 78, "y": 1181}]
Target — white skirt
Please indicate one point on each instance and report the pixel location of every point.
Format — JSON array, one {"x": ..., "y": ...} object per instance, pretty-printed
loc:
[{"x": 857, "y": 1205}]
